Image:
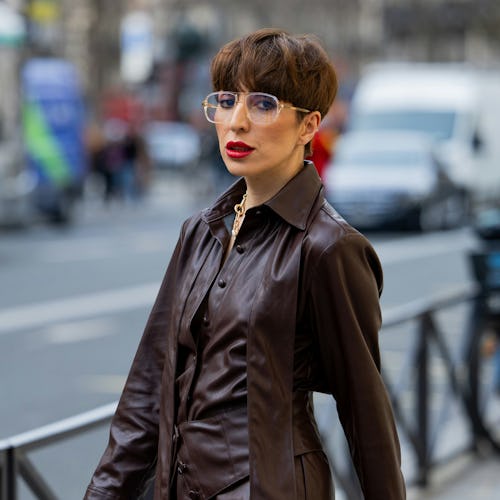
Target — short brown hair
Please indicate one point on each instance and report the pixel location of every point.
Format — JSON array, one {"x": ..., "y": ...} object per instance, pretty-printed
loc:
[{"x": 294, "y": 68}]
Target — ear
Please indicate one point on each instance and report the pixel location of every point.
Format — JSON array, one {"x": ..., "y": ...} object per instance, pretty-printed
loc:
[{"x": 309, "y": 127}]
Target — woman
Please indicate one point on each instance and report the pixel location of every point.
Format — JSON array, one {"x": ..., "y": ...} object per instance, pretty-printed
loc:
[{"x": 269, "y": 296}]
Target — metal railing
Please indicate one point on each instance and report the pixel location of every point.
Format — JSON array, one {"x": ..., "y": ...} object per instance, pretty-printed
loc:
[
  {"x": 463, "y": 383},
  {"x": 428, "y": 334},
  {"x": 15, "y": 463},
  {"x": 418, "y": 429}
]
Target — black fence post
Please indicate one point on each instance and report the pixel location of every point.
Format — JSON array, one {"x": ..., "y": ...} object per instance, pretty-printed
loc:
[
  {"x": 33, "y": 479},
  {"x": 477, "y": 321},
  {"x": 9, "y": 476},
  {"x": 422, "y": 361}
]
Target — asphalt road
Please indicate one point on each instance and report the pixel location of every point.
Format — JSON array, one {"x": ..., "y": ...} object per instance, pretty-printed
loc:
[{"x": 74, "y": 301}]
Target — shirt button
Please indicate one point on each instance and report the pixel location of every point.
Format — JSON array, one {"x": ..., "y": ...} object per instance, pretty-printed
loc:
[
  {"x": 221, "y": 283},
  {"x": 206, "y": 321},
  {"x": 181, "y": 467},
  {"x": 240, "y": 249},
  {"x": 194, "y": 494}
]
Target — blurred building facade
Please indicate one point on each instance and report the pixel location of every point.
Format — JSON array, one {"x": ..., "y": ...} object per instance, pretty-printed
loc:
[{"x": 90, "y": 33}]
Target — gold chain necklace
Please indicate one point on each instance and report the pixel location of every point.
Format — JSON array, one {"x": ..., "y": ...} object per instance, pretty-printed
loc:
[{"x": 240, "y": 210}]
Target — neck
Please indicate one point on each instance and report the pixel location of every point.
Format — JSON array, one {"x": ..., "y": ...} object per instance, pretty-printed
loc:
[{"x": 262, "y": 189}]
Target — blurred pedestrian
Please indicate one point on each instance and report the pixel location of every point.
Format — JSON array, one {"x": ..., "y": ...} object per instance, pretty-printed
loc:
[
  {"x": 112, "y": 159},
  {"x": 268, "y": 297},
  {"x": 135, "y": 173}
]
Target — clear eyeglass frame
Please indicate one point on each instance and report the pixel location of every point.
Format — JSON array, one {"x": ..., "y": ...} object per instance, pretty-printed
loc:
[{"x": 216, "y": 113}]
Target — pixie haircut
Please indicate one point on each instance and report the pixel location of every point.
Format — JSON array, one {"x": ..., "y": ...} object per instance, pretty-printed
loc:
[{"x": 294, "y": 68}]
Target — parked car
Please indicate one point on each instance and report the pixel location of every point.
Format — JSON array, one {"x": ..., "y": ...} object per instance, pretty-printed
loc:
[
  {"x": 17, "y": 186},
  {"x": 172, "y": 145},
  {"x": 393, "y": 179},
  {"x": 455, "y": 104}
]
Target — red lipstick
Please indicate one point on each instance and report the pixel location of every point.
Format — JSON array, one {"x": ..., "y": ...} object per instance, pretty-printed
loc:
[{"x": 238, "y": 149}]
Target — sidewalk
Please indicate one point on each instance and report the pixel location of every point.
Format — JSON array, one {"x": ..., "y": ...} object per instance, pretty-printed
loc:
[{"x": 466, "y": 478}]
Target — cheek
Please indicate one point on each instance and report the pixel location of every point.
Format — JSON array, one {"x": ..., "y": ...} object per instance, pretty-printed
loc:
[
  {"x": 284, "y": 132},
  {"x": 284, "y": 139},
  {"x": 270, "y": 136}
]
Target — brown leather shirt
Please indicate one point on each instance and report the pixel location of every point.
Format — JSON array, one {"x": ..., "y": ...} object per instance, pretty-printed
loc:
[
  {"x": 307, "y": 298},
  {"x": 212, "y": 356}
]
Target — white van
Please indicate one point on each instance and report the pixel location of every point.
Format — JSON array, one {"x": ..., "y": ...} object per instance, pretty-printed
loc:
[{"x": 456, "y": 105}]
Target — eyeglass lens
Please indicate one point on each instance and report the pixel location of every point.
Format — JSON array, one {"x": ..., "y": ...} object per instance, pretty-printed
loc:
[{"x": 261, "y": 108}]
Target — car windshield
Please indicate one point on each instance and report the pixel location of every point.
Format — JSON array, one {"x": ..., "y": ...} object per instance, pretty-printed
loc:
[
  {"x": 359, "y": 156},
  {"x": 439, "y": 124}
]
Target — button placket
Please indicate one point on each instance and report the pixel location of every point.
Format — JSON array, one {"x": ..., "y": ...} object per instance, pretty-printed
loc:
[{"x": 181, "y": 467}]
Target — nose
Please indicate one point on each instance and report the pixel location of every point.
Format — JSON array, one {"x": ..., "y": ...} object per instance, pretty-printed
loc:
[{"x": 239, "y": 118}]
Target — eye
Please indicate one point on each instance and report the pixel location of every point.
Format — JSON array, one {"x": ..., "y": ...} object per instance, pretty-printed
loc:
[
  {"x": 226, "y": 100},
  {"x": 263, "y": 102}
]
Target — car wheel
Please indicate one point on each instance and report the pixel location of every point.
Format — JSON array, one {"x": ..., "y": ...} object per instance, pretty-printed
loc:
[
  {"x": 456, "y": 210},
  {"x": 430, "y": 217},
  {"x": 63, "y": 213}
]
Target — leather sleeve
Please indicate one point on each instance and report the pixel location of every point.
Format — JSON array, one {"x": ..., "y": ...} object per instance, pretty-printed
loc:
[
  {"x": 128, "y": 463},
  {"x": 344, "y": 303}
]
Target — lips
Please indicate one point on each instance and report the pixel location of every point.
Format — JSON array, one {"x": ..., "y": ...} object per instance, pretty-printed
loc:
[{"x": 238, "y": 149}]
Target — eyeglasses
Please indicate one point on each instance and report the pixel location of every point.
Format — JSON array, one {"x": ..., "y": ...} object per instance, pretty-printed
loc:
[{"x": 262, "y": 109}]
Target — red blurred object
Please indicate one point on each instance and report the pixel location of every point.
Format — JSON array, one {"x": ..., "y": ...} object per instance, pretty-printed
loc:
[
  {"x": 323, "y": 143},
  {"x": 322, "y": 146},
  {"x": 122, "y": 106}
]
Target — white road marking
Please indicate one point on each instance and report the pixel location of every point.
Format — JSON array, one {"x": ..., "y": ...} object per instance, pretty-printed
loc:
[
  {"x": 104, "y": 384},
  {"x": 90, "y": 305},
  {"x": 78, "y": 331}
]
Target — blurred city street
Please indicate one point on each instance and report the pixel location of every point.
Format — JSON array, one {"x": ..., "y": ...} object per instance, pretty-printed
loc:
[
  {"x": 104, "y": 152},
  {"x": 74, "y": 301},
  {"x": 469, "y": 479}
]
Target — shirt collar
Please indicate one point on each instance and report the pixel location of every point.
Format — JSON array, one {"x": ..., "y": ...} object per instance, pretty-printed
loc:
[{"x": 292, "y": 203}]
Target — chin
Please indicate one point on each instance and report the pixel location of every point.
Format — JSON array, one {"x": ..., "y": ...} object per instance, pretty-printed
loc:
[{"x": 238, "y": 169}]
